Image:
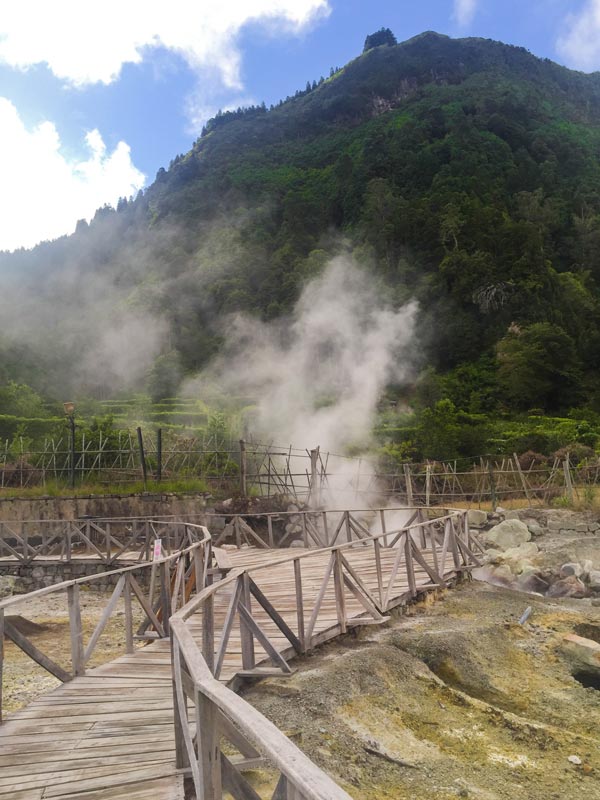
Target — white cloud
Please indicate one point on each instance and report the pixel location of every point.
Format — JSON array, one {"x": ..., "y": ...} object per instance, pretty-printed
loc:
[
  {"x": 579, "y": 44},
  {"x": 43, "y": 192},
  {"x": 84, "y": 42},
  {"x": 464, "y": 11}
]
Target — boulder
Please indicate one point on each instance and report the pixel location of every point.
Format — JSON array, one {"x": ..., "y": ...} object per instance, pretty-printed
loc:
[
  {"x": 7, "y": 585},
  {"x": 493, "y": 556},
  {"x": 535, "y": 529},
  {"x": 568, "y": 587},
  {"x": 571, "y": 568},
  {"x": 594, "y": 580},
  {"x": 584, "y": 651},
  {"x": 532, "y": 582},
  {"x": 507, "y": 534},
  {"x": 477, "y": 519}
]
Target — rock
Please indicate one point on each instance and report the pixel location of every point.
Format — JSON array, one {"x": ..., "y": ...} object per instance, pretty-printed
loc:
[
  {"x": 477, "y": 518},
  {"x": 571, "y": 568},
  {"x": 535, "y": 529},
  {"x": 594, "y": 580},
  {"x": 7, "y": 585},
  {"x": 507, "y": 534},
  {"x": 574, "y": 760},
  {"x": 503, "y": 574},
  {"x": 525, "y": 550},
  {"x": 588, "y": 567},
  {"x": 584, "y": 651},
  {"x": 532, "y": 582},
  {"x": 596, "y": 602},
  {"x": 493, "y": 556},
  {"x": 568, "y": 587}
]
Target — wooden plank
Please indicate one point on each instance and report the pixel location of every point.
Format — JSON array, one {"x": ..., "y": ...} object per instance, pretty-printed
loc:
[{"x": 32, "y": 651}]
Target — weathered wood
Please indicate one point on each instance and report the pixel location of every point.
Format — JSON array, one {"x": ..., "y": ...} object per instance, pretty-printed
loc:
[
  {"x": 128, "y": 615},
  {"x": 247, "y": 640},
  {"x": 208, "y": 748},
  {"x": 234, "y": 783},
  {"x": 1, "y": 657},
  {"x": 76, "y": 630},
  {"x": 153, "y": 619},
  {"x": 106, "y": 615},
  {"x": 253, "y": 626},
  {"x": 32, "y": 651},
  {"x": 275, "y": 616}
]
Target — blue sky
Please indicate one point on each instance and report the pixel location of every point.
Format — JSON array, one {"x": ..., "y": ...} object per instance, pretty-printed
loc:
[{"x": 94, "y": 99}]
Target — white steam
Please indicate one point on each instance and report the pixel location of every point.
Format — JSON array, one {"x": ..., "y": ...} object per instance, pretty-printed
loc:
[{"x": 318, "y": 376}]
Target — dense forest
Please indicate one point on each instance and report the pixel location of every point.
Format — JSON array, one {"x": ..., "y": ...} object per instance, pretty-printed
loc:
[{"x": 463, "y": 173}]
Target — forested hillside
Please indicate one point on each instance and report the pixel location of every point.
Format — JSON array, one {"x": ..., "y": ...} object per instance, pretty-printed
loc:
[{"x": 463, "y": 173}]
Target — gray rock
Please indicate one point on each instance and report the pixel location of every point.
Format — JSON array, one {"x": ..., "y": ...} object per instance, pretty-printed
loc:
[
  {"x": 477, "y": 518},
  {"x": 594, "y": 580},
  {"x": 7, "y": 585},
  {"x": 532, "y": 582},
  {"x": 568, "y": 587},
  {"x": 571, "y": 568},
  {"x": 535, "y": 529},
  {"x": 507, "y": 534}
]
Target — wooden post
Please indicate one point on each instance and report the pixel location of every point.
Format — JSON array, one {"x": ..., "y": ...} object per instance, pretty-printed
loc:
[
  {"x": 314, "y": 497},
  {"x": 142, "y": 457},
  {"x": 247, "y": 637},
  {"x": 208, "y": 632},
  {"x": 409, "y": 487},
  {"x": 165, "y": 598},
  {"x": 568, "y": 479},
  {"x": 299, "y": 603},
  {"x": 1, "y": 657},
  {"x": 76, "y": 630},
  {"x": 340, "y": 600},
  {"x": 243, "y": 469},
  {"x": 522, "y": 477},
  {"x": 492, "y": 486},
  {"x": 128, "y": 615},
  {"x": 428, "y": 485},
  {"x": 209, "y": 753},
  {"x": 159, "y": 455}
]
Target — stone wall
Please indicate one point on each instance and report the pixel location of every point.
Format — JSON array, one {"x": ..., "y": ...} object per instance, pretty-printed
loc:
[
  {"x": 69, "y": 508},
  {"x": 22, "y": 578}
]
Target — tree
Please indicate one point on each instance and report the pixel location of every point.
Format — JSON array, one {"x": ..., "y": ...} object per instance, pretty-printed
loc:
[
  {"x": 384, "y": 36},
  {"x": 538, "y": 366}
]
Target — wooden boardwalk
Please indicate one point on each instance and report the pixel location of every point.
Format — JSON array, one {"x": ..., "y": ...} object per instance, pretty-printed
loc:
[{"x": 110, "y": 733}]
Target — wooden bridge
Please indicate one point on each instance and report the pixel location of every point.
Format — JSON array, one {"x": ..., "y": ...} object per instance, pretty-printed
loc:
[{"x": 165, "y": 711}]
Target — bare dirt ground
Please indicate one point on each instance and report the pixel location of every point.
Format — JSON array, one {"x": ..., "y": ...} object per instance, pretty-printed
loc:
[
  {"x": 454, "y": 699},
  {"x": 23, "y": 679}
]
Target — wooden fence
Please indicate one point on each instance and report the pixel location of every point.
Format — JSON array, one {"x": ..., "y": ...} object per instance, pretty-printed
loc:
[
  {"x": 109, "y": 541},
  {"x": 441, "y": 548},
  {"x": 174, "y": 578}
]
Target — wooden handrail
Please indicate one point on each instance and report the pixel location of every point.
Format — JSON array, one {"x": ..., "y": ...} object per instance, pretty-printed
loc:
[{"x": 309, "y": 781}]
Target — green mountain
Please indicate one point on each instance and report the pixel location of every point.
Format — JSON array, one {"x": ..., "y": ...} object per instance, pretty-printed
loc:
[{"x": 464, "y": 173}]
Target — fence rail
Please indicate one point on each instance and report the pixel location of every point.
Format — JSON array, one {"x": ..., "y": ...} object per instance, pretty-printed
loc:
[
  {"x": 312, "y": 476},
  {"x": 174, "y": 578},
  {"x": 438, "y": 548}
]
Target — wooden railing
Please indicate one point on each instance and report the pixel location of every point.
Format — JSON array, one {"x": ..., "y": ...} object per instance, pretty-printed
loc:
[
  {"x": 308, "y": 528},
  {"x": 109, "y": 541},
  {"x": 426, "y": 552},
  {"x": 171, "y": 580}
]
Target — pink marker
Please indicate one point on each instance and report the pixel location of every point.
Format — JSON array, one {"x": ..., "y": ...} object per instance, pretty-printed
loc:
[{"x": 157, "y": 548}]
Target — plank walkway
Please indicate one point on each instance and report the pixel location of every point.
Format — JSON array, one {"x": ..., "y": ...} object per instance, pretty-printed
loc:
[{"x": 109, "y": 735}]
